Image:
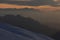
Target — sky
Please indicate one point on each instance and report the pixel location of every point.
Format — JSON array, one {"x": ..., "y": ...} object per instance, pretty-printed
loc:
[
  {"x": 32, "y": 2},
  {"x": 29, "y": 4}
]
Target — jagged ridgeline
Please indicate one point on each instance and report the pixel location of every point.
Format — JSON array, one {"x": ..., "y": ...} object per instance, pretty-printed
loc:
[
  {"x": 26, "y": 12},
  {"x": 14, "y": 11},
  {"x": 29, "y": 19}
]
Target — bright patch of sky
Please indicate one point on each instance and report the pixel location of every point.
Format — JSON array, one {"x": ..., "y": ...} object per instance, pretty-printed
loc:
[{"x": 57, "y": 1}]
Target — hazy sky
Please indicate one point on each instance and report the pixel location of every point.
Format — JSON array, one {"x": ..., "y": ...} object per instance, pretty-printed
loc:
[
  {"x": 49, "y": 4},
  {"x": 35, "y": 2}
]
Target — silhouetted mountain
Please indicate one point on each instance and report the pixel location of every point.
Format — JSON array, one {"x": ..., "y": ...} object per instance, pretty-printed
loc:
[
  {"x": 29, "y": 19},
  {"x": 22, "y": 22},
  {"x": 57, "y": 35},
  {"x": 26, "y": 23}
]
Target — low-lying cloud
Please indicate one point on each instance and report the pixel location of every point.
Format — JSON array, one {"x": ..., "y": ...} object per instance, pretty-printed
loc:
[{"x": 29, "y": 2}]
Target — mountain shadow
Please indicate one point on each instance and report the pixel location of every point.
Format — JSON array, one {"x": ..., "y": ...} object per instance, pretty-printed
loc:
[
  {"x": 26, "y": 23},
  {"x": 57, "y": 35},
  {"x": 20, "y": 21}
]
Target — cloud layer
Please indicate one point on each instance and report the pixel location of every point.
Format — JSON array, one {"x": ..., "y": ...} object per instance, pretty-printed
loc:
[{"x": 29, "y": 2}]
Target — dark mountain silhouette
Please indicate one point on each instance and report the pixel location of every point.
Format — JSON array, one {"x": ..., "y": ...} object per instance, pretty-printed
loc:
[
  {"x": 16, "y": 17},
  {"x": 32, "y": 14},
  {"x": 56, "y": 35},
  {"x": 26, "y": 23},
  {"x": 20, "y": 21}
]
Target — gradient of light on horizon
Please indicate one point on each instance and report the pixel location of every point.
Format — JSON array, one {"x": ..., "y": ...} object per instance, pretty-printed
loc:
[{"x": 3, "y": 5}]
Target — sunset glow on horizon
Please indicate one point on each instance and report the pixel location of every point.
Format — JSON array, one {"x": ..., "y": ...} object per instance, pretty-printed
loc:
[{"x": 47, "y": 7}]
